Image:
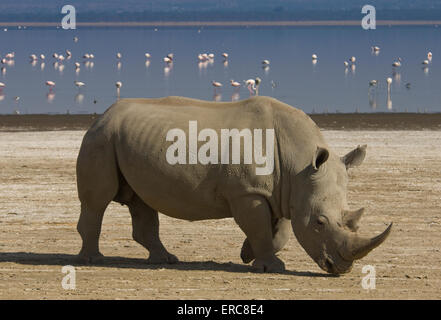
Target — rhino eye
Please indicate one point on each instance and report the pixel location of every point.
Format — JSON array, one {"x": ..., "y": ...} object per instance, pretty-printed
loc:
[{"x": 322, "y": 220}]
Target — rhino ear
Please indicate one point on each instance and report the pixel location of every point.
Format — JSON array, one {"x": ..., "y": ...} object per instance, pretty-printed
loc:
[
  {"x": 351, "y": 218},
  {"x": 320, "y": 157},
  {"x": 355, "y": 157}
]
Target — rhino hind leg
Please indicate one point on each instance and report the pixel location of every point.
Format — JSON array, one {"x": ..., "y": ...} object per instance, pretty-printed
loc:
[
  {"x": 253, "y": 215},
  {"x": 281, "y": 229},
  {"x": 97, "y": 181},
  {"x": 145, "y": 223}
]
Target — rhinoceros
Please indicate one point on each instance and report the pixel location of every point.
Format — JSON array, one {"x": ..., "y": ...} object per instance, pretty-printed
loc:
[{"x": 123, "y": 158}]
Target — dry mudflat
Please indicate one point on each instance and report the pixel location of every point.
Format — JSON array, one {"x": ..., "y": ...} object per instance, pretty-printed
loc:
[{"x": 400, "y": 181}]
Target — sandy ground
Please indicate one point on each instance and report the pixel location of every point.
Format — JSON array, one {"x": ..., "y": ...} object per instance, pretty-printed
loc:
[{"x": 400, "y": 181}]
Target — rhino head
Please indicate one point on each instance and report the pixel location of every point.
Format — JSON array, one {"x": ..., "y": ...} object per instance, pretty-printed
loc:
[{"x": 321, "y": 220}]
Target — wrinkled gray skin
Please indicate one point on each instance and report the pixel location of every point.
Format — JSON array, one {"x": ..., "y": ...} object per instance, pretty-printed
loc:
[{"x": 122, "y": 158}]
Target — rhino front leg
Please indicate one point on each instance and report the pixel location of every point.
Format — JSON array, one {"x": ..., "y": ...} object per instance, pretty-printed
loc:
[
  {"x": 281, "y": 229},
  {"x": 253, "y": 215},
  {"x": 145, "y": 223}
]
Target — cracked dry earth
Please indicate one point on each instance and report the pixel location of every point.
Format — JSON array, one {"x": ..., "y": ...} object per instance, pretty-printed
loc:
[{"x": 399, "y": 181}]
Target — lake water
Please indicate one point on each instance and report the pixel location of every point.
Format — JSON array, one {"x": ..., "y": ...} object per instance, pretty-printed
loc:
[{"x": 292, "y": 77}]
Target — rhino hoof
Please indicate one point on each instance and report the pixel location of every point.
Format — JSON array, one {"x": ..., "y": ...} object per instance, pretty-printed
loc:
[
  {"x": 272, "y": 265},
  {"x": 167, "y": 258},
  {"x": 89, "y": 259}
]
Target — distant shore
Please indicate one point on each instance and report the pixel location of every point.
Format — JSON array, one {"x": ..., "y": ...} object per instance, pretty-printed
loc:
[
  {"x": 227, "y": 23},
  {"x": 335, "y": 121}
]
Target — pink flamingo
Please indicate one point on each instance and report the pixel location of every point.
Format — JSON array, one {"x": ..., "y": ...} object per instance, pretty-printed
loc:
[{"x": 50, "y": 84}]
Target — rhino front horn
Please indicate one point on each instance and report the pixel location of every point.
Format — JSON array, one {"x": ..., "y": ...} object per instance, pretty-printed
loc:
[{"x": 358, "y": 247}]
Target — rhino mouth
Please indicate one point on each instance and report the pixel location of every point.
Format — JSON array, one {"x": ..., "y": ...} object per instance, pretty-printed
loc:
[{"x": 337, "y": 266}]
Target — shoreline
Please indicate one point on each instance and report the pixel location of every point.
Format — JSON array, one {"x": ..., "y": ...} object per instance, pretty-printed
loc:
[
  {"x": 227, "y": 23},
  {"x": 334, "y": 121}
]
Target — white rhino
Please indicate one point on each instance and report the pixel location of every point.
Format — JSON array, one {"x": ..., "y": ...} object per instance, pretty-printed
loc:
[{"x": 123, "y": 159}]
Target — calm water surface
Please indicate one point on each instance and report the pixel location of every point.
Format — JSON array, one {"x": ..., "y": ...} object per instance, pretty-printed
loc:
[{"x": 326, "y": 86}]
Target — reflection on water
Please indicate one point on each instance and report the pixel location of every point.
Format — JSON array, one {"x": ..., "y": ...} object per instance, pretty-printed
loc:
[
  {"x": 235, "y": 96},
  {"x": 389, "y": 100},
  {"x": 79, "y": 98},
  {"x": 373, "y": 96},
  {"x": 321, "y": 87},
  {"x": 50, "y": 97},
  {"x": 217, "y": 97}
]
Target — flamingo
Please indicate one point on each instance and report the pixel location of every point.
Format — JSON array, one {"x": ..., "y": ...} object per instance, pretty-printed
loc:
[
  {"x": 425, "y": 62},
  {"x": 353, "y": 59},
  {"x": 429, "y": 56},
  {"x": 250, "y": 83},
  {"x": 118, "y": 55},
  {"x": 225, "y": 55},
  {"x": 389, "y": 82},
  {"x": 265, "y": 62},
  {"x": 389, "y": 100},
  {"x": 16, "y": 99},
  {"x": 373, "y": 83},
  {"x": 79, "y": 84},
  {"x": 147, "y": 55},
  {"x": 216, "y": 85},
  {"x": 397, "y": 63},
  {"x": 170, "y": 56},
  {"x": 257, "y": 82},
  {"x": 235, "y": 84},
  {"x": 253, "y": 85},
  {"x": 2, "y": 85},
  {"x": 118, "y": 85},
  {"x": 314, "y": 57},
  {"x": 50, "y": 84}
]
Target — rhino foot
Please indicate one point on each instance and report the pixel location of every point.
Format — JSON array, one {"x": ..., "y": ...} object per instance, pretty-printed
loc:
[
  {"x": 164, "y": 258},
  {"x": 83, "y": 258},
  {"x": 270, "y": 265}
]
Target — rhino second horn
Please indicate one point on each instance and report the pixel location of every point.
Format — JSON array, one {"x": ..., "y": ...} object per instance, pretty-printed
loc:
[{"x": 357, "y": 247}]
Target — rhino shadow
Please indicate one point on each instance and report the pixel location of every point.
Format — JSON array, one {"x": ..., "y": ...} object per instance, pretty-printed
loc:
[{"x": 54, "y": 259}]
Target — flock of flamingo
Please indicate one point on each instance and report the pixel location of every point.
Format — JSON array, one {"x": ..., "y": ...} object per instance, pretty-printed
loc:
[{"x": 251, "y": 84}]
